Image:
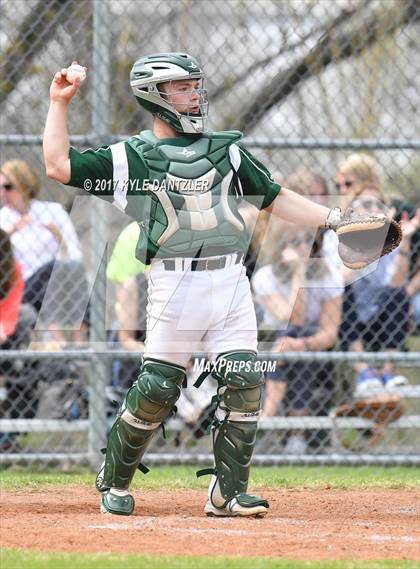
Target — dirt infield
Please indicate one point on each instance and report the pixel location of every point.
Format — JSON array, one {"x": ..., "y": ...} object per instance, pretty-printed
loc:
[{"x": 302, "y": 524}]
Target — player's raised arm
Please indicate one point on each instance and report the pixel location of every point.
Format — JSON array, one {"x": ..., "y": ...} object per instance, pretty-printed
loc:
[
  {"x": 259, "y": 188},
  {"x": 56, "y": 144}
]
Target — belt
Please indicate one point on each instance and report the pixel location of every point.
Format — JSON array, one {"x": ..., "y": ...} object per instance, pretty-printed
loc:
[{"x": 210, "y": 264}]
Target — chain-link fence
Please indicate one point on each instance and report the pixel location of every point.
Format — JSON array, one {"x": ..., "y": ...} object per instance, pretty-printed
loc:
[{"x": 327, "y": 95}]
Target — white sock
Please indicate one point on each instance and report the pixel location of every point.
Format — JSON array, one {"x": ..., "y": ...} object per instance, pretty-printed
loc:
[{"x": 119, "y": 492}]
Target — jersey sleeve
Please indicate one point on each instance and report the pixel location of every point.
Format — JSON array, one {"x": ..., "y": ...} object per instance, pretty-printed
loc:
[
  {"x": 256, "y": 182},
  {"x": 90, "y": 168},
  {"x": 115, "y": 173}
]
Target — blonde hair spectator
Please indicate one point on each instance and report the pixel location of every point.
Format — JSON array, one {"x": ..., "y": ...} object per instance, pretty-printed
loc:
[
  {"x": 23, "y": 177},
  {"x": 362, "y": 167}
]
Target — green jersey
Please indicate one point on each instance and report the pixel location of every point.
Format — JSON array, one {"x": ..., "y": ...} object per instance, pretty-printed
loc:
[{"x": 184, "y": 192}]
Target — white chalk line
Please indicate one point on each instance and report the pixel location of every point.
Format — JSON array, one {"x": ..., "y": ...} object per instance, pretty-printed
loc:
[{"x": 158, "y": 523}]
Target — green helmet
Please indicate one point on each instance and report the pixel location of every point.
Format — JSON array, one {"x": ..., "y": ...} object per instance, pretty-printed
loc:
[{"x": 150, "y": 71}]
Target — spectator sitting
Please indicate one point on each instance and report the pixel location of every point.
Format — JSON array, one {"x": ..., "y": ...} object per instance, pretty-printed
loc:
[
  {"x": 276, "y": 287},
  {"x": 16, "y": 322},
  {"x": 379, "y": 316},
  {"x": 376, "y": 307},
  {"x": 312, "y": 325},
  {"x": 313, "y": 185},
  {"x": 41, "y": 232}
]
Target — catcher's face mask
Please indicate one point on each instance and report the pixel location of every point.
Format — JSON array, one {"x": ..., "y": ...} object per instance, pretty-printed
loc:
[
  {"x": 188, "y": 98},
  {"x": 188, "y": 115}
]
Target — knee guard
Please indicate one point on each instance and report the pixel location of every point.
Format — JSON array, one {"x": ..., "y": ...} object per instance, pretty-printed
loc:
[
  {"x": 235, "y": 427},
  {"x": 147, "y": 404}
]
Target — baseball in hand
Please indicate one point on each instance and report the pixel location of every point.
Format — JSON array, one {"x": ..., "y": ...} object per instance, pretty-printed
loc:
[{"x": 75, "y": 71}]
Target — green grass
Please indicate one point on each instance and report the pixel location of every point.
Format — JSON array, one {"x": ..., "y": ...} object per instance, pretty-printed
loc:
[
  {"x": 19, "y": 559},
  {"x": 183, "y": 477}
]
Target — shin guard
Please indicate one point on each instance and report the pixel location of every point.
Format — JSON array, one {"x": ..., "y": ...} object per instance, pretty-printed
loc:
[
  {"x": 235, "y": 428},
  {"x": 147, "y": 404}
]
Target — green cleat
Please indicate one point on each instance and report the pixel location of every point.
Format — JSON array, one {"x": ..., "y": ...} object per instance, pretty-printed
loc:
[{"x": 118, "y": 502}]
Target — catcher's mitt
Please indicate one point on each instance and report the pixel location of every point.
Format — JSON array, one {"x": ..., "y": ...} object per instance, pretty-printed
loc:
[
  {"x": 362, "y": 240},
  {"x": 380, "y": 410}
]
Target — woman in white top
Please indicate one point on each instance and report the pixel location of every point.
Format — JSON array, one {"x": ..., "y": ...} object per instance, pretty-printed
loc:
[
  {"x": 301, "y": 297},
  {"x": 41, "y": 233}
]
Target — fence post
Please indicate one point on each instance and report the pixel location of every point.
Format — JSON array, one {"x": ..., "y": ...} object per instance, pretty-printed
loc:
[{"x": 101, "y": 120}]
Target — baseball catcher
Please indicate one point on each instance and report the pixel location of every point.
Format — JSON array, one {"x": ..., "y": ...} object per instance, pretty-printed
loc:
[{"x": 183, "y": 184}]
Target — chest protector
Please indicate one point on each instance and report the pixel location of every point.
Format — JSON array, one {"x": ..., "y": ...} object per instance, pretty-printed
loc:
[{"x": 192, "y": 205}]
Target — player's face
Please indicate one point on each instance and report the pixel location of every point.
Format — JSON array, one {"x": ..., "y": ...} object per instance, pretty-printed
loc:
[{"x": 183, "y": 95}]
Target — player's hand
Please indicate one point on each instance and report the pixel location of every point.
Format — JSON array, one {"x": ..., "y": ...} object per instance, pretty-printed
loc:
[{"x": 62, "y": 90}]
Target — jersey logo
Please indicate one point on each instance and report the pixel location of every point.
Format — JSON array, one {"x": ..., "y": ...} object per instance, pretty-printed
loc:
[{"x": 187, "y": 153}]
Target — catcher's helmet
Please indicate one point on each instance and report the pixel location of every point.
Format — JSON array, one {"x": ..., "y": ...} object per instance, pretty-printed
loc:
[{"x": 150, "y": 71}]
